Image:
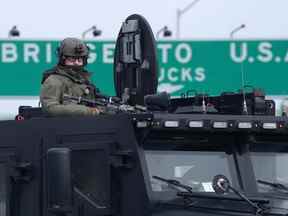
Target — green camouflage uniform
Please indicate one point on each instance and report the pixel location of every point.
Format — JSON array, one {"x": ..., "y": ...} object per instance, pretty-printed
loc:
[{"x": 62, "y": 80}]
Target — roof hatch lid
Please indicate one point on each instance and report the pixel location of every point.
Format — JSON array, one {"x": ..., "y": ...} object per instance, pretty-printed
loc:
[{"x": 135, "y": 60}]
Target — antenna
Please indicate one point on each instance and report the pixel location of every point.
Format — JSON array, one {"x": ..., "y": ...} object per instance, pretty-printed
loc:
[
  {"x": 204, "y": 108},
  {"x": 235, "y": 30}
]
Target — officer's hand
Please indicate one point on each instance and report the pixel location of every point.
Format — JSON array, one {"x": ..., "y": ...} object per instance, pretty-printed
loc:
[{"x": 95, "y": 111}]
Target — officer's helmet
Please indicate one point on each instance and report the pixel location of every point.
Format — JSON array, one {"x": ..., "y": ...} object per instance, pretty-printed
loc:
[{"x": 73, "y": 47}]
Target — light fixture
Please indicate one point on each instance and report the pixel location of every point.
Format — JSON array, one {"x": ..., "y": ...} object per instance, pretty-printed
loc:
[
  {"x": 142, "y": 124},
  {"x": 195, "y": 124},
  {"x": 171, "y": 124},
  {"x": 244, "y": 125},
  {"x": 96, "y": 32},
  {"x": 166, "y": 32},
  {"x": 269, "y": 125},
  {"x": 179, "y": 13},
  {"x": 220, "y": 124},
  {"x": 14, "y": 32}
]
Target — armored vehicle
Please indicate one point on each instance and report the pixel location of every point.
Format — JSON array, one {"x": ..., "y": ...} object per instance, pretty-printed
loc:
[{"x": 185, "y": 156}]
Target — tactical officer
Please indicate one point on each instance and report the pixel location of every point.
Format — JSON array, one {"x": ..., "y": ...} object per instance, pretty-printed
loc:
[{"x": 68, "y": 77}]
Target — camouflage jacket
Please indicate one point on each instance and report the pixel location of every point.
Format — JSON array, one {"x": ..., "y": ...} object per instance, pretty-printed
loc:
[{"x": 59, "y": 81}]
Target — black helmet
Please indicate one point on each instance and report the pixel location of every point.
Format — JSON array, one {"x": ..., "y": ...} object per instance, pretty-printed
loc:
[{"x": 72, "y": 47}]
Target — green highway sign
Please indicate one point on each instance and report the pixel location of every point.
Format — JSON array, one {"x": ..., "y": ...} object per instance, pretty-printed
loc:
[{"x": 205, "y": 66}]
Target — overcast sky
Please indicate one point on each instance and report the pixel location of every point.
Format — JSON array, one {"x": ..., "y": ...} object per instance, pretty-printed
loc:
[{"x": 206, "y": 19}]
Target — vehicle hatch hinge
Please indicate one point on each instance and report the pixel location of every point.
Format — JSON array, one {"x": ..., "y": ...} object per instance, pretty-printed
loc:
[
  {"x": 22, "y": 172},
  {"x": 122, "y": 159}
]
